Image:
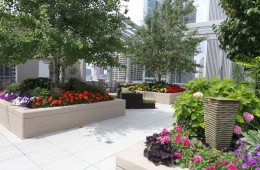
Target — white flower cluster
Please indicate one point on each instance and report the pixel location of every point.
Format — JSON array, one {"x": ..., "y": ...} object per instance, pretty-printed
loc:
[{"x": 22, "y": 101}]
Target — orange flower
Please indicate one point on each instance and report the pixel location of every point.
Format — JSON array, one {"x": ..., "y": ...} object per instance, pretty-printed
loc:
[
  {"x": 37, "y": 104},
  {"x": 39, "y": 99},
  {"x": 80, "y": 126},
  {"x": 76, "y": 98},
  {"x": 50, "y": 99},
  {"x": 33, "y": 101}
]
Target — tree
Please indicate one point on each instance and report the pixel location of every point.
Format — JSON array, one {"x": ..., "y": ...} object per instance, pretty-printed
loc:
[
  {"x": 239, "y": 34},
  {"x": 165, "y": 44},
  {"x": 61, "y": 31}
]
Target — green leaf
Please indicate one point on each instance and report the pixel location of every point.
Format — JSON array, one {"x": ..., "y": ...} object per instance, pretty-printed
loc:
[{"x": 240, "y": 119}]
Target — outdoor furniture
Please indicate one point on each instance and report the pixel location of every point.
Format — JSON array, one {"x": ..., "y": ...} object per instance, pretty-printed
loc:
[
  {"x": 133, "y": 100},
  {"x": 220, "y": 115},
  {"x": 148, "y": 103}
]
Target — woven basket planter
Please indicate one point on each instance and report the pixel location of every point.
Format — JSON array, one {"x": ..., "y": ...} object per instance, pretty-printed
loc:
[{"x": 219, "y": 115}]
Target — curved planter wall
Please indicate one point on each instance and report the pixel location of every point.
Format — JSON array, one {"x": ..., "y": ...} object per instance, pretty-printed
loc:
[
  {"x": 163, "y": 98},
  {"x": 25, "y": 122}
]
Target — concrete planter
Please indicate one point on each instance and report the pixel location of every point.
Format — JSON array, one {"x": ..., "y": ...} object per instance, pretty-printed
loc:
[
  {"x": 133, "y": 158},
  {"x": 220, "y": 116},
  {"x": 163, "y": 98},
  {"x": 25, "y": 122}
]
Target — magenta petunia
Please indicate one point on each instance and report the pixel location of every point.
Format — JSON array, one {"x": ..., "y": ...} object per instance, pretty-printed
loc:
[{"x": 197, "y": 159}]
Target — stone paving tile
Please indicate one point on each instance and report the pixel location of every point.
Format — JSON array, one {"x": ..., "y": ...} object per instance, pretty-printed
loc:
[{"x": 92, "y": 147}]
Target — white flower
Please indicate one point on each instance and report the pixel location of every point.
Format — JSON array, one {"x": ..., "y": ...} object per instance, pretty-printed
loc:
[{"x": 198, "y": 94}]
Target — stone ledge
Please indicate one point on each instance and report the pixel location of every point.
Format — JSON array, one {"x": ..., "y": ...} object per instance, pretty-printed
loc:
[
  {"x": 163, "y": 98},
  {"x": 132, "y": 159}
]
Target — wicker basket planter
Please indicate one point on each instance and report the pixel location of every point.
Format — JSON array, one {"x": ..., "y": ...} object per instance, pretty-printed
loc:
[{"x": 220, "y": 115}]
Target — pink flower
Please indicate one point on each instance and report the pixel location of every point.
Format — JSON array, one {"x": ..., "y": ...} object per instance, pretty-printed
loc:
[
  {"x": 236, "y": 159},
  {"x": 164, "y": 139},
  {"x": 164, "y": 131},
  {"x": 223, "y": 163},
  {"x": 237, "y": 130},
  {"x": 197, "y": 158},
  {"x": 177, "y": 139},
  {"x": 213, "y": 165},
  {"x": 248, "y": 117},
  {"x": 178, "y": 128},
  {"x": 231, "y": 167},
  {"x": 209, "y": 168},
  {"x": 186, "y": 143},
  {"x": 177, "y": 155}
]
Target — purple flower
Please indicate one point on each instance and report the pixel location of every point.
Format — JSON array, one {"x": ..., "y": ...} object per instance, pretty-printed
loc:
[
  {"x": 258, "y": 153},
  {"x": 257, "y": 169},
  {"x": 240, "y": 148},
  {"x": 258, "y": 146},
  {"x": 241, "y": 142},
  {"x": 244, "y": 166},
  {"x": 242, "y": 156},
  {"x": 236, "y": 151}
]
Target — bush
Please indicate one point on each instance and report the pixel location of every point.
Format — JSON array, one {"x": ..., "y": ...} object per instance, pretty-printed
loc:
[
  {"x": 13, "y": 88},
  {"x": 40, "y": 92},
  {"x": 30, "y": 84},
  {"x": 189, "y": 109},
  {"x": 75, "y": 84}
]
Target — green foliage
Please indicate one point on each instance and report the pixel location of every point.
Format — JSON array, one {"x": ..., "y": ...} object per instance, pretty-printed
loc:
[
  {"x": 75, "y": 84},
  {"x": 253, "y": 71},
  {"x": 40, "y": 92},
  {"x": 13, "y": 88},
  {"x": 165, "y": 43},
  {"x": 239, "y": 33},
  {"x": 62, "y": 32},
  {"x": 31, "y": 84},
  {"x": 252, "y": 138},
  {"x": 189, "y": 109}
]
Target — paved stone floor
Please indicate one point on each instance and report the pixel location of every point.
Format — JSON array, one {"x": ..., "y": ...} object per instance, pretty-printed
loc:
[{"x": 92, "y": 147}]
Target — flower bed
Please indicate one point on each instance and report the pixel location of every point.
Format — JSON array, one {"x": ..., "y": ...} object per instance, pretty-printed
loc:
[
  {"x": 66, "y": 98},
  {"x": 40, "y": 115},
  {"x": 176, "y": 147},
  {"x": 26, "y": 122}
]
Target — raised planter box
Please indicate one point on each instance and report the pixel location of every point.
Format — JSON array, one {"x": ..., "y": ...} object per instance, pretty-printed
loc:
[
  {"x": 163, "y": 98},
  {"x": 25, "y": 122},
  {"x": 133, "y": 158}
]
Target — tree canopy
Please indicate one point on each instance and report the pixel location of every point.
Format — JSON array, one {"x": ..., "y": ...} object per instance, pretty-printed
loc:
[
  {"x": 165, "y": 43},
  {"x": 239, "y": 34},
  {"x": 61, "y": 31}
]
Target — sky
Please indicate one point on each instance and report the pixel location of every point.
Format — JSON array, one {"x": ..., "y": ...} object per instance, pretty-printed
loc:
[
  {"x": 135, "y": 8},
  {"x": 135, "y": 12}
]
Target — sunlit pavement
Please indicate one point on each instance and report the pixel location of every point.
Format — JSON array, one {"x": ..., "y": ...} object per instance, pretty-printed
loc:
[{"x": 92, "y": 147}]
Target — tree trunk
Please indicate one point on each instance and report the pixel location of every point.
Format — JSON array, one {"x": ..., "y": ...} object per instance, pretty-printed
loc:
[
  {"x": 62, "y": 74},
  {"x": 56, "y": 69},
  {"x": 159, "y": 77}
]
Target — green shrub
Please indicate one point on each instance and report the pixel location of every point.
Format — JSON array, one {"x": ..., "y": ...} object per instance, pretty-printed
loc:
[
  {"x": 13, "y": 88},
  {"x": 40, "y": 92},
  {"x": 75, "y": 84},
  {"x": 189, "y": 109},
  {"x": 30, "y": 84},
  {"x": 251, "y": 139}
]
